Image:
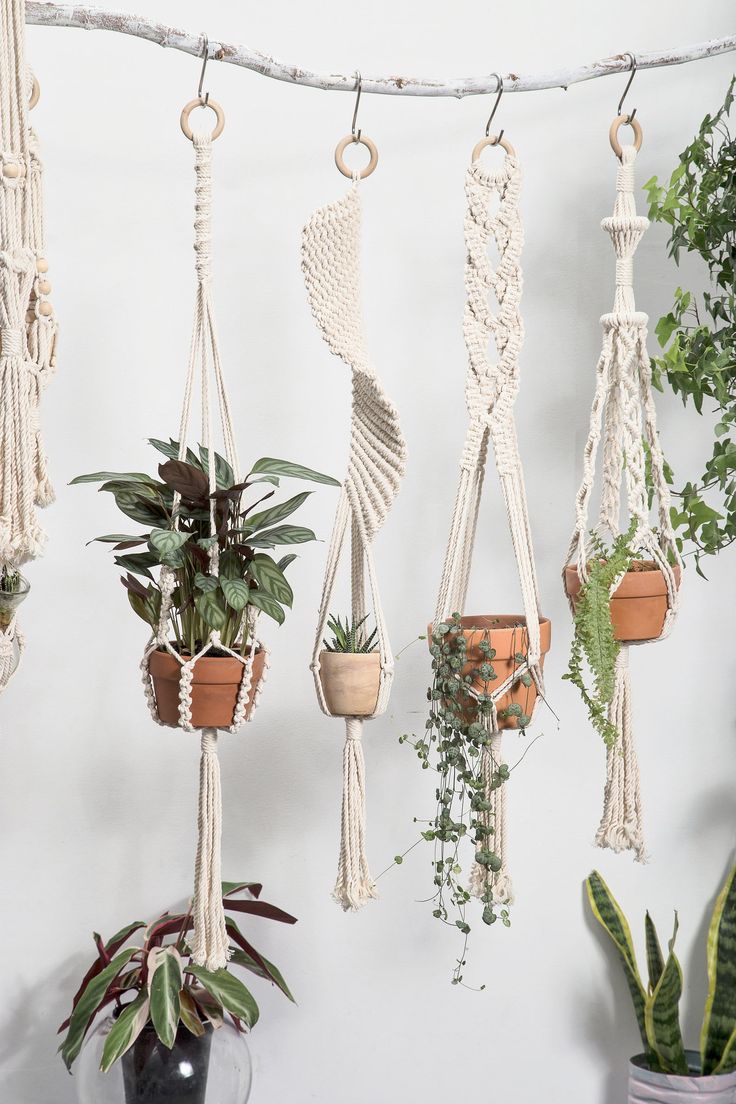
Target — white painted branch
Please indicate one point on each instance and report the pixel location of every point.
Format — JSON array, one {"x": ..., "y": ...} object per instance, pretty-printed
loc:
[{"x": 71, "y": 15}]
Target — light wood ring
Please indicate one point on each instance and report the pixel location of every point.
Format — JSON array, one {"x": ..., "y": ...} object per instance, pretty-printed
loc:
[
  {"x": 199, "y": 102},
  {"x": 362, "y": 140},
  {"x": 492, "y": 140},
  {"x": 618, "y": 122},
  {"x": 35, "y": 94}
]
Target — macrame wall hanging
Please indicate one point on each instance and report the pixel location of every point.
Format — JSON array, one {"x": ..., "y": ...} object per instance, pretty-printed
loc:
[
  {"x": 350, "y": 685},
  {"x": 27, "y": 333},
  {"x": 623, "y": 416},
  {"x": 168, "y": 676},
  {"x": 518, "y": 642}
]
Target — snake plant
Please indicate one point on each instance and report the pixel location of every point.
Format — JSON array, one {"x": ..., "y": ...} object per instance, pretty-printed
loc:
[{"x": 657, "y": 1005}]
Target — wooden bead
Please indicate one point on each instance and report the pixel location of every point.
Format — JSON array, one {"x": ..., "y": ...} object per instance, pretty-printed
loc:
[
  {"x": 30, "y": 316},
  {"x": 42, "y": 265},
  {"x": 11, "y": 171},
  {"x": 44, "y": 287},
  {"x": 46, "y": 309}
]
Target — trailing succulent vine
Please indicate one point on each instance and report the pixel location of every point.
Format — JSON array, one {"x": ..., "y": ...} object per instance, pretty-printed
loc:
[
  {"x": 456, "y": 734},
  {"x": 593, "y": 638},
  {"x": 698, "y": 336}
]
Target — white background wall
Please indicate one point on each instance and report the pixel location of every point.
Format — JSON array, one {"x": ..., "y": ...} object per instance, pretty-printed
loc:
[{"x": 97, "y": 814}]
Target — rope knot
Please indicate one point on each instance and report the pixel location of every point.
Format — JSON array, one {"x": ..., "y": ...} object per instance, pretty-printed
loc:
[
  {"x": 11, "y": 343},
  {"x": 209, "y": 741}
]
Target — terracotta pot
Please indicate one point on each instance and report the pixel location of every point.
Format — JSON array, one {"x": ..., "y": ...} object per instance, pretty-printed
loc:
[
  {"x": 646, "y": 1087},
  {"x": 350, "y": 682},
  {"x": 214, "y": 688},
  {"x": 507, "y": 634},
  {"x": 638, "y": 605}
]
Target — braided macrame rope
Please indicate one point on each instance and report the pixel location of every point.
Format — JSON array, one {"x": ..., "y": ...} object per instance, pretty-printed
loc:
[
  {"x": 490, "y": 394},
  {"x": 209, "y": 942},
  {"x": 624, "y": 418},
  {"x": 331, "y": 267},
  {"x": 27, "y": 322}
]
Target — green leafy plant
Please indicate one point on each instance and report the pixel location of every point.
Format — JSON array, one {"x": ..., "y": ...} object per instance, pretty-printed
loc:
[
  {"x": 350, "y": 637},
  {"x": 698, "y": 335},
  {"x": 166, "y": 988},
  {"x": 657, "y": 1005},
  {"x": 593, "y": 639},
  {"x": 10, "y": 580},
  {"x": 247, "y": 578},
  {"x": 456, "y": 733}
]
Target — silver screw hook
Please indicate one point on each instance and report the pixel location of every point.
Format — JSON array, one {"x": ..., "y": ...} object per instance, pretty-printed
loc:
[
  {"x": 359, "y": 88},
  {"x": 499, "y": 94},
  {"x": 206, "y": 57},
  {"x": 628, "y": 86}
]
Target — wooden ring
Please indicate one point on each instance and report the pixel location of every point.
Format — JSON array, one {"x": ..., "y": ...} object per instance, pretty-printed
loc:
[
  {"x": 361, "y": 140},
  {"x": 618, "y": 122},
  {"x": 492, "y": 140},
  {"x": 199, "y": 102},
  {"x": 35, "y": 94}
]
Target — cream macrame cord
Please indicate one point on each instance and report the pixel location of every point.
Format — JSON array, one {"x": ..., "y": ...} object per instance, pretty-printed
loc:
[
  {"x": 624, "y": 419},
  {"x": 210, "y": 941},
  {"x": 490, "y": 394},
  {"x": 331, "y": 266}
]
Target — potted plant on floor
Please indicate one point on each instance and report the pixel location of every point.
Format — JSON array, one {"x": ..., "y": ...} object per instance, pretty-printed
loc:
[
  {"x": 665, "y": 1071},
  {"x": 177, "y": 510},
  {"x": 162, "y": 1009},
  {"x": 350, "y": 668}
]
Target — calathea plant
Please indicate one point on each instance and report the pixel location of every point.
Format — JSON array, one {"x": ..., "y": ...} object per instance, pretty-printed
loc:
[
  {"x": 698, "y": 335},
  {"x": 657, "y": 1004},
  {"x": 248, "y": 577},
  {"x": 154, "y": 983}
]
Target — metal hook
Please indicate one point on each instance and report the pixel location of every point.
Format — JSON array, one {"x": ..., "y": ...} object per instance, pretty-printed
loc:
[
  {"x": 206, "y": 56},
  {"x": 628, "y": 86},
  {"x": 359, "y": 88},
  {"x": 499, "y": 91}
]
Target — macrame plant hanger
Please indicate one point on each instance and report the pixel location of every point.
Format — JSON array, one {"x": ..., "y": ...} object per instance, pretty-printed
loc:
[
  {"x": 27, "y": 329},
  {"x": 331, "y": 266},
  {"x": 623, "y": 416},
  {"x": 210, "y": 941},
  {"x": 490, "y": 393}
]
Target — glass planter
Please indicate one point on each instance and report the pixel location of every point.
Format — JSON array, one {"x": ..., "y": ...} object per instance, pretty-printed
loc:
[
  {"x": 213, "y": 1069},
  {"x": 11, "y": 599}
]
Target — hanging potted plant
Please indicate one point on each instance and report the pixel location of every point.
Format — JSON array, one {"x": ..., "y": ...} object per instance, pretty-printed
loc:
[
  {"x": 350, "y": 668},
  {"x": 666, "y": 1071},
  {"x": 164, "y": 1013},
  {"x": 202, "y": 602}
]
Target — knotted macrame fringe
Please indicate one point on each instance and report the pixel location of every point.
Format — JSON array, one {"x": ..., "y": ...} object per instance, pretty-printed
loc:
[
  {"x": 354, "y": 886},
  {"x": 621, "y": 827},
  {"x": 495, "y": 819},
  {"x": 12, "y": 643},
  {"x": 210, "y": 945}
]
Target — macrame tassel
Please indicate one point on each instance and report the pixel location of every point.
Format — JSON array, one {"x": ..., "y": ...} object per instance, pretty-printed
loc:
[
  {"x": 495, "y": 818},
  {"x": 210, "y": 941},
  {"x": 354, "y": 886},
  {"x": 621, "y": 824}
]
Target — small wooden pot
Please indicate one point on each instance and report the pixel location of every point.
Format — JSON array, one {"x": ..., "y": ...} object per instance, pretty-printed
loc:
[
  {"x": 350, "y": 682},
  {"x": 215, "y": 685},
  {"x": 507, "y": 635},
  {"x": 639, "y": 603}
]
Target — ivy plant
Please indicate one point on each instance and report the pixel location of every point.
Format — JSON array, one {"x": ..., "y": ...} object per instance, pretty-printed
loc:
[
  {"x": 247, "y": 577},
  {"x": 698, "y": 335}
]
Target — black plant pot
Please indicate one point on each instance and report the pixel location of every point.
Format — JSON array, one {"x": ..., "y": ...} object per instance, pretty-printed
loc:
[{"x": 153, "y": 1074}]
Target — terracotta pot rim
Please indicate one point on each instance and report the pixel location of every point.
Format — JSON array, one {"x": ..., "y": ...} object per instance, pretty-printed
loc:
[
  {"x": 210, "y": 670},
  {"x": 188, "y": 655},
  {"x": 635, "y": 584}
]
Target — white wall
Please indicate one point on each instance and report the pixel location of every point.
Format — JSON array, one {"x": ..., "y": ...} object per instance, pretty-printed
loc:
[{"x": 97, "y": 808}]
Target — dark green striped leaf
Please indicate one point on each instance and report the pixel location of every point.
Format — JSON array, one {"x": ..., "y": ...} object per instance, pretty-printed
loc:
[
  {"x": 271, "y": 579},
  {"x": 116, "y": 477},
  {"x": 164, "y": 973},
  {"x": 88, "y": 1004},
  {"x": 268, "y": 466},
  {"x": 655, "y": 958},
  {"x": 267, "y": 518},
  {"x": 269, "y": 605},
  {"x": 281, "y": 534},
  {"x": 662, "y": 1015},
  {"x": 125, "y": 1030},
  {"x": 236, "y": 593},
  {"x": 263, "y": 969},
  {"x": 229, "y": 991},
  {"x": 719, "y": 1021}
]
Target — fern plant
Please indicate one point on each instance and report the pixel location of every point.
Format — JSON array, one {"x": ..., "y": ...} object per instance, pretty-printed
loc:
[
  {"x": 593, "y": 641},
  {"x": 350, "y": 636},
  {"x": 657, "y": 1005}
]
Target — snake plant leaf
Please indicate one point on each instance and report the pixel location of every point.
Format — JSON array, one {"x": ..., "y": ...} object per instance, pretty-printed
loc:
[
  {"x": 662, "y": 1015},
  {"x": 165, "y": 982},
  {"x": 125, "y": 1030},
  {"x": 719, "y": 1020},
  {"x": 88, "y": 1004},
  {"x": 269, "y": 466},
  {"x": 655, "y": 958},
  {"x": 608, "y": 913},
  {"x": 229, "y": 991}
]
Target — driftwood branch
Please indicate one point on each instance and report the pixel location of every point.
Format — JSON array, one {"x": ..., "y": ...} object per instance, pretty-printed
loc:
[{"x": 97, "y": 19}]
